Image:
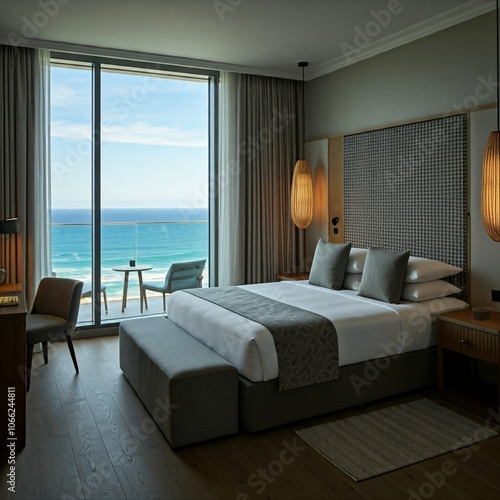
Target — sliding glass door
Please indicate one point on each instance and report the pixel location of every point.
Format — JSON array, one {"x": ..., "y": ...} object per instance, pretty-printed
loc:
[
  {"x": 138, "y": 199},
  {"x": 71, "y": 195},
  {"x": 154, "y": 178}
]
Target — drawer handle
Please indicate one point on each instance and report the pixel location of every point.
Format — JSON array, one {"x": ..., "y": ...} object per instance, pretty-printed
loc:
[{"x": 464, "y": 341}]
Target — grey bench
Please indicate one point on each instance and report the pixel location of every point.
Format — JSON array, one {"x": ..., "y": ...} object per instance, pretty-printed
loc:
[{"x": 190, "y": 391}]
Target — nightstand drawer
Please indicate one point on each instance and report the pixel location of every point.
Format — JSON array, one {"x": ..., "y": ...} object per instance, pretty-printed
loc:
[{"x": 475, "y": 343}]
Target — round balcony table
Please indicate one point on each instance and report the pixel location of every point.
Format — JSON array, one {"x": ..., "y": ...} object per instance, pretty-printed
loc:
[{"x": 127, "y": 270}]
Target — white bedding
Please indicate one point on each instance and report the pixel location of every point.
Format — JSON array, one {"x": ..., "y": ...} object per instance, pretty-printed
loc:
[{"x": 366, "y": 328}]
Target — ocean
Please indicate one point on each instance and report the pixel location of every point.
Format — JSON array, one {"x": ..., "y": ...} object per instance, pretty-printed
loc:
[{"x": 155, "y": 237}]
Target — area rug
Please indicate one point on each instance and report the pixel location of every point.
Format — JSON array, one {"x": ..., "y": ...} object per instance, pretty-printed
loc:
[{"x": 381, "y": 441}]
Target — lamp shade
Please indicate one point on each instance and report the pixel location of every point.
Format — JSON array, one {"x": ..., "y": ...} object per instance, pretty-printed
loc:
[
  {"x": 490, "y": 189},
  {"x": 9, "y": 226},
  {"x": 302, "y": 194}
]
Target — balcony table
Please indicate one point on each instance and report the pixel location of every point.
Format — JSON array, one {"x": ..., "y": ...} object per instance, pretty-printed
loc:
[{"x": 127, "y": 270}]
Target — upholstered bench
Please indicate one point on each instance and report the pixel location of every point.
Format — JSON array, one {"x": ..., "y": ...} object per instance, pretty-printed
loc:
[{"x": 189, "y": 390}]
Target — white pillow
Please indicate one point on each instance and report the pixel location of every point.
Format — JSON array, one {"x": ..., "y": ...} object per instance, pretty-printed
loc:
[
  {"x": 356, "y": 262},
  {"x": 352, "y": 281},
  {"x": 435, "y": 289},
  {"x": 419, "y": 270}
]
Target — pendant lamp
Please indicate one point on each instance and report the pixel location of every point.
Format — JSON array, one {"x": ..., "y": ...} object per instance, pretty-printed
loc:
[
  {"x": 490, "y": 189},
  {"x": 302, "y": 189}
]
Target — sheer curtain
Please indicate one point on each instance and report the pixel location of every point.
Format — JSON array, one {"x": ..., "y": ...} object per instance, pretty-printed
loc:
[
  {"x": 24, "y": 169},
  {"x": 259, "y": 137}
]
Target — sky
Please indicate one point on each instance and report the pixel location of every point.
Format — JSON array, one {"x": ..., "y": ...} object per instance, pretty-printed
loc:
[{"x": 154, "y": 140}]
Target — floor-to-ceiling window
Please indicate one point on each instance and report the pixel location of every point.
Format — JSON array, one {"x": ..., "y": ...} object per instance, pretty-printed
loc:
[{"x": 130, "y": 156}]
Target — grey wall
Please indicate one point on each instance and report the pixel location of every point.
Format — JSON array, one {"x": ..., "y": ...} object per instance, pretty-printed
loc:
[
  {"x": 453, "y": 70},
  {"x": 427, "y": 77},
  {"x": 317, "y": 155}
]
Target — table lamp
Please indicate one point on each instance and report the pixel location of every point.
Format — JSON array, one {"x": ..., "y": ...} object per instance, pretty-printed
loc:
[{"x": 8, "y": 226}]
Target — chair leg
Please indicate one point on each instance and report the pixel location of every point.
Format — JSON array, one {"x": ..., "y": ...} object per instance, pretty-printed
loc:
[
  {"x": 144, "y": 299},
  {"x": 164, "y": 302},
  {"x": 104, "y": 296},
  {"x": 29, "y": 357},
  {"x": 45, "y": 349},
  {"x": 72, "y": 352}
]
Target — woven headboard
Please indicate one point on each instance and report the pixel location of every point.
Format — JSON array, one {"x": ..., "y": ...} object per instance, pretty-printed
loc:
[{"x": 405, "y": 188}]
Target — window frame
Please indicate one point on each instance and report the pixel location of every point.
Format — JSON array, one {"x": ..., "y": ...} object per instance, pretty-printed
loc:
[{"x": 212, "y": 77}]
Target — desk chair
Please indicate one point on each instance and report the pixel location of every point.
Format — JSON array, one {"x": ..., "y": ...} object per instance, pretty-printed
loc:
[
  {"x": 87, "y": 293},
  {"x": 180, "y": 276},
  {"x": 54, "y": 315}
]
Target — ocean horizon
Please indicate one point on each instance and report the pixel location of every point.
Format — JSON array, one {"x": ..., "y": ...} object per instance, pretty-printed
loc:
[{"x": 153, "y": 237}]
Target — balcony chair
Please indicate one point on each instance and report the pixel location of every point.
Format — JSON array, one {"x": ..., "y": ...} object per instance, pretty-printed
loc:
[
  {"x": 54, "y": 314},
  {"x": 180, "y": 276},
  {"x": 87, "y": 293}
]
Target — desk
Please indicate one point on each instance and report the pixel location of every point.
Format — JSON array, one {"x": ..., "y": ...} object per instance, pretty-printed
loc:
[
  {"x": 13, "y": 366},
  {"x": 127, "y": 270}
]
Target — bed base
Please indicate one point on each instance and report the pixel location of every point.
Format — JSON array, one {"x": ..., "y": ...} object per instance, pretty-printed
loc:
[{"x": 262, "y": 406}]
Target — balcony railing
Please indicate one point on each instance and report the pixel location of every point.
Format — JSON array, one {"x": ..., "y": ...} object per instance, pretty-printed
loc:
[{"x": 156, "y": 244}]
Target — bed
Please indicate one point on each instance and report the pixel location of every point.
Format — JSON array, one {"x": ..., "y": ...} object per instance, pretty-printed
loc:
[{"x": 383, "y": 348}]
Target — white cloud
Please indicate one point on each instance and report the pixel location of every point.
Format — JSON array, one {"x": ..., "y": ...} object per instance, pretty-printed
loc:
[
  {"x": 143, "y": 133},
  {"x": 70, "y": 131},
  {"x": 76, "y": 97},
  {"x": 134, "y": 133}
]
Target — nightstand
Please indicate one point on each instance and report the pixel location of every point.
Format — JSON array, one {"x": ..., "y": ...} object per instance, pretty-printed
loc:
[
  {"x": 293, "y": 277},
  {"x": 467, "y": 347}
]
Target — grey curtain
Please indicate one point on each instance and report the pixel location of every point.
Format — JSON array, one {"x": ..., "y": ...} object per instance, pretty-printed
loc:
[
  {"x": 24, "y": 179},
  {"x": 259, "y": 140}
]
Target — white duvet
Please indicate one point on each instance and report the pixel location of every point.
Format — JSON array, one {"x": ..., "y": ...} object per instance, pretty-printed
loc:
[{"x": 366, "y": 328}]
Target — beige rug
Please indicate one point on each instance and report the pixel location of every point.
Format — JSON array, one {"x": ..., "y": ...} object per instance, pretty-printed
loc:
[{"x": 381, "y": 441}]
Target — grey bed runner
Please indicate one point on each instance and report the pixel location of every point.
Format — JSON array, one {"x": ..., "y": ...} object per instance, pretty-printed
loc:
[{"x": 306, "y": 343}]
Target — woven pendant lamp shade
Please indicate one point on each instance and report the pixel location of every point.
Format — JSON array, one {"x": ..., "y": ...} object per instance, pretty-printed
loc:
[
  {"x": 490, "y": 195},
  {"x": 490, "y": 187},
  {"x": 302, "y": 195}
]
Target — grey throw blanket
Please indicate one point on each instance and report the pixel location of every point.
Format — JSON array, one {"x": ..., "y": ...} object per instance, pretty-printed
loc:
[{"x": 306, "y": 343}]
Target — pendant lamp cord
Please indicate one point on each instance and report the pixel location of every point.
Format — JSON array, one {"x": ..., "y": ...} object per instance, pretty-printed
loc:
[
  {"x": 303, "y": 65},
  {"x": 498, "y": 79},
  {"x": 304, "y": 102}
]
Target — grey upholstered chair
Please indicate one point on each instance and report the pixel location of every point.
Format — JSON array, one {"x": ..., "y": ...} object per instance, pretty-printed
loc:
[
  {"x": 180, "y": 276},
  {"x": 87, "y": 293},
  {"x": 54, "y": 314}
]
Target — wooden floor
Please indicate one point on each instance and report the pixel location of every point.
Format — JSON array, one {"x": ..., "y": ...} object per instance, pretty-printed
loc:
[{"x": 89, "y": 436}]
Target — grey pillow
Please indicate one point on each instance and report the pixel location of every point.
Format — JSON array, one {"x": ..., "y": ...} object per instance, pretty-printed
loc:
[
  {"x": 383, "y": 275},
  {"x": 329, "y": 264}
]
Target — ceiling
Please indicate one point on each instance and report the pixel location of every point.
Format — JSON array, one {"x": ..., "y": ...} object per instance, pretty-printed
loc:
[{"x": 267, "y": 37}]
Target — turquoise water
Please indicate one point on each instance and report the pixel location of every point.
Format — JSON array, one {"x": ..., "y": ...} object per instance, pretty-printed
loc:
[{"x": 155, "y": 237}]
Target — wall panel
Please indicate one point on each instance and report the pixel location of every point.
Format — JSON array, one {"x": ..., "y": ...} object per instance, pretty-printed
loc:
[{"x": 405, "y": 188}]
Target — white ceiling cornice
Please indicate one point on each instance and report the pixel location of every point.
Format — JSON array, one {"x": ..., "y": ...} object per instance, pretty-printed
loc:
[{"x": 451, "y": 18}]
